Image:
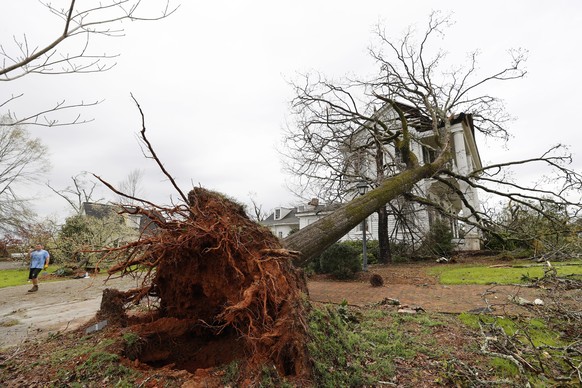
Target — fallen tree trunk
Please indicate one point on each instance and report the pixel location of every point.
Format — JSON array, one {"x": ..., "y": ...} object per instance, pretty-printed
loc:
[{"x": 312, "y": 240}]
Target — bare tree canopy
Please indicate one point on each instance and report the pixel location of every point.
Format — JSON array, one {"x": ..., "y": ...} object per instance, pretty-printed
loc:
[
  {"x": 70, "y": 50},
  {"x": 366, "y": 130},
  {"x": 82, "y": 190},
  {"x": 23, "y": 159},
  {"x": 131, "y": 185}
]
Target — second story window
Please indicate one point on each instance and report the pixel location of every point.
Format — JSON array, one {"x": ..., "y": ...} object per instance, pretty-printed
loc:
[
  {"x": 277, "y": 214},
  {"x": 428, "y": 155},
  {"x": 397, "y": 155}
]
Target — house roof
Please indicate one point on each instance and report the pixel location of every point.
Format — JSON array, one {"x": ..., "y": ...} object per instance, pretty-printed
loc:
[
  {"x": 316, "y": 210},
  {"x": 415, "y": 117},
  {"x": 422, "y": 123},
  {"x": 288, "y": 219},
  {"x": 98, "y": 210}
]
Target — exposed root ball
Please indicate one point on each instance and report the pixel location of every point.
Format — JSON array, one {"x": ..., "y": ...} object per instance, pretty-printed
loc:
[
  {"x": 112, "y": 307},
  {"x": 217, "y": 273}
]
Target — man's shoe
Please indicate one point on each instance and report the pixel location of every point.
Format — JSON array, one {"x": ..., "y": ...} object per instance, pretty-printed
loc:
[{"x": 33, "y": 289}]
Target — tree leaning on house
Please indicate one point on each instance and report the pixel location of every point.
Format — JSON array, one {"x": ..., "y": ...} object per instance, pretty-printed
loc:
[{"x": 424, "y": 93}]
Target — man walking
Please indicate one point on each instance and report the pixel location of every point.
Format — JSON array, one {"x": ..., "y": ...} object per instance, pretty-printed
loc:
[{"x": 39, "y": 259}]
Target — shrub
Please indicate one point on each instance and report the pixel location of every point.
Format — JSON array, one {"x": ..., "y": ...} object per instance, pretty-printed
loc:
[
  {"x": 372, "y": 249},
  {"x": 376, "y": 280},
  {"x": 400, "y": 251},
  {"x": 439, "y": 240},
  {"x": 340, "y": 260}
]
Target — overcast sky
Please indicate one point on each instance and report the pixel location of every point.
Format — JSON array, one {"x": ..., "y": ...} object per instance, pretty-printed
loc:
[{"x": 212, "y": 81}]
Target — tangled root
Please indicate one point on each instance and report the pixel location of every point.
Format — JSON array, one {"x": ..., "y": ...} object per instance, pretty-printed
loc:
[{"x": 217, "y": 273}]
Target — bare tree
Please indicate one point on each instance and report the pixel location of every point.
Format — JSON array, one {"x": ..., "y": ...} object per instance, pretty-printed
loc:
[
  {"x": 22, "y": 159},
  {"x": 342, "y": 128},
  {"x": 67, "y": 52},
  {"x": 82, "y": 190},
  {"x": 256, "y": 212},
  {"x": 82, "y": 22},
  {"x": 132, "y": 186}
]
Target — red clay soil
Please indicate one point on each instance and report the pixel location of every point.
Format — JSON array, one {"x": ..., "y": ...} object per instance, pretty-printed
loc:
[{"x": 412, "y": 286}]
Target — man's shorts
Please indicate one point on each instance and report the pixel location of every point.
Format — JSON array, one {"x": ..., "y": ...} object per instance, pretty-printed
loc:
[{"x": 33, "y": 274}]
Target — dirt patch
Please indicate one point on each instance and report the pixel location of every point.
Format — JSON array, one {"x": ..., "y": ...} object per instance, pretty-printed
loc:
[{"x": 411, "y": 285}]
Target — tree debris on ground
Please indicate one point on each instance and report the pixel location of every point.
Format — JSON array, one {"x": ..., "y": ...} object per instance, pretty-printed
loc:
[
  {"x": 545, "y": 341},
  {"x": 226, "y": 288}
]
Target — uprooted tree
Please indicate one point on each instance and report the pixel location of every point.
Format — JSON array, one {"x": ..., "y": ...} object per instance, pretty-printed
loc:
[
  {"x": 226, "y": 288},
  {"x": 406, "y": 124}
]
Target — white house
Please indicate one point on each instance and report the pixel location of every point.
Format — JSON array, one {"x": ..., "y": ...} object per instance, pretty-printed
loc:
[
  {"x": 282, "y": 221},
  {"x": 137, "y": 222},
  {"x": 408, "y": 220}
]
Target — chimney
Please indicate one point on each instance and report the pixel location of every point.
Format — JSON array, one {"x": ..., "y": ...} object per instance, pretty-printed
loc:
[{"x": 314, "y": 202}]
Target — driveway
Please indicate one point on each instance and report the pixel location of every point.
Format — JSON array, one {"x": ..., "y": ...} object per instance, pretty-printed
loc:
[{"x": 56, "y": 306}]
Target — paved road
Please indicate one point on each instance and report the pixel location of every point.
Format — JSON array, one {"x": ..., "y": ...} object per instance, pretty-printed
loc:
[{"x": 56, "y": 306}]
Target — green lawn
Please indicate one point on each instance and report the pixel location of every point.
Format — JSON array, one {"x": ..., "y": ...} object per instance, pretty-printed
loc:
[
  {"x": 452, "y": 274},
  {"x": 15, "y": 277}
]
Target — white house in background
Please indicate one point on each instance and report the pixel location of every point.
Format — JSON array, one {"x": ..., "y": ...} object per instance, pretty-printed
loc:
[
  {"x": 282, "y": 221},
  {"x": 136, "y": 222},
  {"x": 418, "y": 218}
]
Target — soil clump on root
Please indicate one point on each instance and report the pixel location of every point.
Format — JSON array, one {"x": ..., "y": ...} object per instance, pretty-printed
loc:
[{"x": 227, "y": 291}]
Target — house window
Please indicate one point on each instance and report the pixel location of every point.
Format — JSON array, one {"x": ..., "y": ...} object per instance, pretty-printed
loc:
[
  {"x": 428, "y": 155},
  {"x": 397, "y": 155},
  {"x": 277, "y": 214},
  {"x": 280, "y": 234},
  {"x": 367, "y": 226}
]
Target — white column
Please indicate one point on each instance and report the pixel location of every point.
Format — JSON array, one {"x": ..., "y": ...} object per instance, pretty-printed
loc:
[
  {"x": 472, "y": 241},
  {"x": 460, "y": 151}
]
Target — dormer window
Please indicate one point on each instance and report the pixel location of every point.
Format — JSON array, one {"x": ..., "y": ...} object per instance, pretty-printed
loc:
[{"x": 277, "y": 214}]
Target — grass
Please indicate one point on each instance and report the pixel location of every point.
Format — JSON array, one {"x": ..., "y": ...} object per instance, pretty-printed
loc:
[
  {"x": 13, "y": 277},
  {"x": 517, "y": 273},
  {"x": 18, "y": 277},
  {"x": 95, "y": 365},
  {"x": 537, "y": 330},
  {"x": 359, "y": 348},
  {"x": 537, "y": 341}
]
